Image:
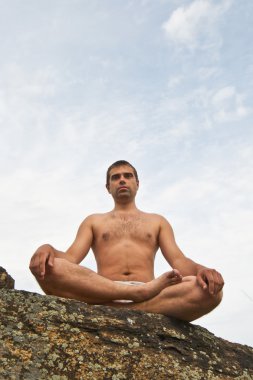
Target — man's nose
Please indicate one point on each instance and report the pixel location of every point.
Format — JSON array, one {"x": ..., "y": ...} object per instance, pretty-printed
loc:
[{"x": 122, "y": 179}]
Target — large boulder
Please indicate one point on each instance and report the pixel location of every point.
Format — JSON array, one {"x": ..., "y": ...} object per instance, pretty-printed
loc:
[{"x": 46, "y": 337}]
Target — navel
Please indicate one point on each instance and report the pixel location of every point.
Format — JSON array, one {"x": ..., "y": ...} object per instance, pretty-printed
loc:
[{"x": 106, "y": 236}]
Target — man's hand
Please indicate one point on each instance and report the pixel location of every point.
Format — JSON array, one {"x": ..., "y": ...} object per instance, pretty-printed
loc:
[
  {"x": 211, "y": 280},
  {"x": 42, "y": 257}
]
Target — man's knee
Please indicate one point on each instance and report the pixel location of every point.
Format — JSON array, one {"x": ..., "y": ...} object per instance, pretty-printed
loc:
[
  {"x": 187, "y": 300},
  {"x": 217, "y": 298},
  {"x": 201, "y": 296},
  {"x": 52, "y": 276}
]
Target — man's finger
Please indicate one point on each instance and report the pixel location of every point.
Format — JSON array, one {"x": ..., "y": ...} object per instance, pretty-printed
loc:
[
  {"x": 51, "y": 261},
  {"x": 220, "y": 282},
  {"x": 212, "y": 279},
  {"x": 35, "y": 265},
  {"x": 217, "y": 283},
  {"x": 211, "y": 285},
  {"x": 201, "y": 282},
  {"x": 42, "y": 264}
]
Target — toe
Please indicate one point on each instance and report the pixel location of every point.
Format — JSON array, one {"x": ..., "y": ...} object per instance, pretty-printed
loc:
[{"x": 173, "y": 274}]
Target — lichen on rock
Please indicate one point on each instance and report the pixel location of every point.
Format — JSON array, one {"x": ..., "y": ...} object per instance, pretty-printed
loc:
[
  {"x": 46, "y": 337},
  {"x": 6, "y": 281}
]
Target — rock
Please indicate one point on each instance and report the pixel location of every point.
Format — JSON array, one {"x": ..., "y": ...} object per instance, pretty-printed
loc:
[
  {"x": 6, "y": 281},
  {"x": 46, "y": 337}
]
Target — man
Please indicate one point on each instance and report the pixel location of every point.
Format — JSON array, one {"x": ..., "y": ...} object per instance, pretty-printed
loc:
[{"x": 124, "y": 242}]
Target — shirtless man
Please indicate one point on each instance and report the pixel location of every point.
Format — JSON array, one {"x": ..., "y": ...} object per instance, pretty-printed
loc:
[{"x": 124, "y": 242}]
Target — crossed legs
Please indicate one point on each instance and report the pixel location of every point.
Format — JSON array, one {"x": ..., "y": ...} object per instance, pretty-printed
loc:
[
  {"x": 69, "y": 280},
  {"x": 169, "y": 294}
]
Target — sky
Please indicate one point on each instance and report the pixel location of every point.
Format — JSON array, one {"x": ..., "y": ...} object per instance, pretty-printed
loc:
[{"x": 166, "y": 85}]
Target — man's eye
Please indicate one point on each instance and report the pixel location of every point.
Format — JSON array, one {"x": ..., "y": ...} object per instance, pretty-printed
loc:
[
  {"x": 128, "y": 175},
  {"x": 115, "y": 177}
]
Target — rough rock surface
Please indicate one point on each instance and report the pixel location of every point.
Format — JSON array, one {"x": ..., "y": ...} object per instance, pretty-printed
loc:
[
  {"x": 45, "y": 337},
  {"x": 6, "y": 281}
]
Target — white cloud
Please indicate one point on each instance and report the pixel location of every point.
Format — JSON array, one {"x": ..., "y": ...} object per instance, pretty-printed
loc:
[
  {"x": 174, "y": 81},
  {"x": 203, "y": 108},
  {"x": 181, "y": 130},
  {"x": 229, "y": 105},
  {"x": 205, "y": 73},
  {"x": 188, "y": 24}
]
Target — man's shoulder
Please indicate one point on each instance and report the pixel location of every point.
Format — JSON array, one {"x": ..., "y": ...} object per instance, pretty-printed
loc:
[
  {"x": 154, "y": 217},
  {"x": 93, "y": 218}
]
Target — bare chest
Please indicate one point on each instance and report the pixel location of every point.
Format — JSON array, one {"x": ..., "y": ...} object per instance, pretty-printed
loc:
[{"x": 136, "y": 229}]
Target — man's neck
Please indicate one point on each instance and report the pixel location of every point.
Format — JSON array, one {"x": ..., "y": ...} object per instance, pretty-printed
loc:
[{"x": 125, "y": 206}]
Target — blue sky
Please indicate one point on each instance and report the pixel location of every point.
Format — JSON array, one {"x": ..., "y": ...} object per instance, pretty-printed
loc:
[{"x": 166, "y": 85}]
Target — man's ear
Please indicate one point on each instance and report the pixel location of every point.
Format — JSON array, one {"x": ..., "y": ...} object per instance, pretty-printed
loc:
[{"x": 107, "y": 187}]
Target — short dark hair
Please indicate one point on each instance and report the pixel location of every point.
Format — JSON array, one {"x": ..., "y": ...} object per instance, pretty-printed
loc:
[{"x": 120, "y": 163}]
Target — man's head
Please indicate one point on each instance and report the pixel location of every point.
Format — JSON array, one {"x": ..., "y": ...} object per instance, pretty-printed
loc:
[
  {"x": 117, "y": 164},
  {"x": 122, "y": 181}
]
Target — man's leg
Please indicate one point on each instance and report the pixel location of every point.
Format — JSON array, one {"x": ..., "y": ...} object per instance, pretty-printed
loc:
[
  {"x": 186, "y": 301},
  {"x": 69, "y": 280}
]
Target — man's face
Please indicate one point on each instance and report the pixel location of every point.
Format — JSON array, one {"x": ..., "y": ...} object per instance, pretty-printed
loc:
[{"x": 122, "y": 183}]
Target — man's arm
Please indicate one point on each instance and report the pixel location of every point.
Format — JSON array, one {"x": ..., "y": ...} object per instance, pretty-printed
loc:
[
  {"x": 46, "y": 254},
  {"x": 207, "y": 278}
]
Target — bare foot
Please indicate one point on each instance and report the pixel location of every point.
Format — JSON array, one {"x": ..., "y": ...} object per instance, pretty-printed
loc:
[{"x": 150, "y": 289}]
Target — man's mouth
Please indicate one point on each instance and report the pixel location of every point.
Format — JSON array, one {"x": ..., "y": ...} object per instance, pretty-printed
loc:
[{"x": 122, "y": 188}]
